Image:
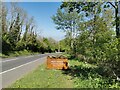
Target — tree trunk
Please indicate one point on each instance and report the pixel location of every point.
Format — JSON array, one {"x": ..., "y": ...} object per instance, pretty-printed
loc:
[
  {"x": 118, "y": 30},
  {"x": 117, "y": 23},
  {"x": 117, "y": 16}
]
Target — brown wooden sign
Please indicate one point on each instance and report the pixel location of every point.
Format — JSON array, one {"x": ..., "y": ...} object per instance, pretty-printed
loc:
[{"x": 57, "y": 62}]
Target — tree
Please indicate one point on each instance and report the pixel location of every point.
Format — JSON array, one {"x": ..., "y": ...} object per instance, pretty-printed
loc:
[
  {"x": 96, "y": 40},
  {"x": 3, "y": 19},
  {"x": 15, "y": 32},
  {"x": 87, "y": 7},
  {"x": 115, "y": 6},
  {"x": 4, "y": 29},
  {"x": 13, "y": 23},
  {"x": 68, "y": 22}
]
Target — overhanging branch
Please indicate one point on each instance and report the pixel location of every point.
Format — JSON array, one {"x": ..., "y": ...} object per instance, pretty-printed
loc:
[{"x": 112, "y": 5}]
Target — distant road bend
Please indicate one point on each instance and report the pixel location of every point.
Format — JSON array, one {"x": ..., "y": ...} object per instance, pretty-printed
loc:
[{"x": 15, "y": 68}]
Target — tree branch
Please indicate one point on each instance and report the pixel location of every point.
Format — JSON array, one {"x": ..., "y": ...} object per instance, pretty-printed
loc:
[
  {"x": 112, "y": 5},
  {"x": 118, "y": 79}
]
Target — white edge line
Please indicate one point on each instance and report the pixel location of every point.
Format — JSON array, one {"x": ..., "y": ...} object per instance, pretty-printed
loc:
[
  {"x": 18, "y": 66},
  {"x": 18, "y": 58},
  {"x": 15, "y": 59}
]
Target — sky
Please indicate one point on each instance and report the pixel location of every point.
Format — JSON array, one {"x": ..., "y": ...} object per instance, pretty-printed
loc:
[{"x": 42, "y": 13}]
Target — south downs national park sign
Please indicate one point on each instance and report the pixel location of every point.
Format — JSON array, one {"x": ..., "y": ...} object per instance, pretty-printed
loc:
[{"x": 57, "y": 62}]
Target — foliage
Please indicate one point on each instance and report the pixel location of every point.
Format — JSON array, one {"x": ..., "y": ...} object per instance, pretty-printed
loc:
[
  {"x": 96, "y": 40},
  {"x": 17, "y": 53},
  {"x": 64, "y": 45},
  {"x": 87, "y": 75},
  {"x": 18, "y": 32}
]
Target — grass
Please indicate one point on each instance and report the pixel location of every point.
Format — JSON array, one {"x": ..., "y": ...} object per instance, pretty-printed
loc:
[
  {"x": 44, "y": 78},
  {"x": 17, "y": 53},
  {"x": 79, "y": 75}
]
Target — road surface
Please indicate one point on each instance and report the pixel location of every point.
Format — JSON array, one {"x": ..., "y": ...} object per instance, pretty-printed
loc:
[{"x": 15, "y": 68}]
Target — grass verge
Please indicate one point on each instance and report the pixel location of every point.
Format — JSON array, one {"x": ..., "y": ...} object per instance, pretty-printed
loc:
[
  {"x": 44, "y": 78},
  {"x": 17, "y": 53}
]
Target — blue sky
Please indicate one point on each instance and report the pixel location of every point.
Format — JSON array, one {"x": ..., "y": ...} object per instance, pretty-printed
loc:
[{"x": 42, "y": 12}]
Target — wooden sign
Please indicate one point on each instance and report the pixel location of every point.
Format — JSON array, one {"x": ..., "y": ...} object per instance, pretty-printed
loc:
[{"x": 57, "y": 62}]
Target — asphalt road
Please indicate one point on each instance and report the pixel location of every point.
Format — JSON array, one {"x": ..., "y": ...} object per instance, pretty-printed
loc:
[
  {"x": 17, "y": 61},
  {"x": 15, "y": 68}
]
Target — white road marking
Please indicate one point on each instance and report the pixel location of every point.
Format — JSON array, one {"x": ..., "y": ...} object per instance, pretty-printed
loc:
[
  {"x": 29, "y": 56},
  {"x": 10, "y": 60},
  {"x": 18, "y": 66}
]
